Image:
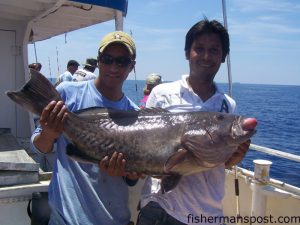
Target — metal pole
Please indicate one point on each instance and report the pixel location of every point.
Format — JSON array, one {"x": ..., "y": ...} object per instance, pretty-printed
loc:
[
  {"x": 136, "y": 89},
  {"x": 49, "y": 67},
  {"x": 35, "y": 52},
  {"x": 57, "y": 60},
  {"x": 118, "y": 20},
  {"x": 228, "y": 56},
  {"x": 236, "y": 181}
]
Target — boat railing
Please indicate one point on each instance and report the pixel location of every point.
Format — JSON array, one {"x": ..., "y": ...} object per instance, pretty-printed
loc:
[
  {"x": 295, "y": 191},
  {"x": 274, "y": 152}
]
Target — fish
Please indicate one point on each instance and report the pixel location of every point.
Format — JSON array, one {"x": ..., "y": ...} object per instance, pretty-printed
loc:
[{"x": 153, "y": 141}]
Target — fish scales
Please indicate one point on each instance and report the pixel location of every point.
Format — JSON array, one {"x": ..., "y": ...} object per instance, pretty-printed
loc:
[
  {"x": 133, "y": 140},
  {"x": 153, "y": 141}
]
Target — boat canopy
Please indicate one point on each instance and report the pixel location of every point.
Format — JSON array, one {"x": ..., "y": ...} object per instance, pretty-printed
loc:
[
  {"x": 48, "y": 18},
  {"x": 23, "y": 22}
]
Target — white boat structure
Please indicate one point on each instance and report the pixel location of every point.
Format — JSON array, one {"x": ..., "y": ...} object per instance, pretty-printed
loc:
[
  {"x": 21, "y": 23},
  {"x": 257, "y": 198}
]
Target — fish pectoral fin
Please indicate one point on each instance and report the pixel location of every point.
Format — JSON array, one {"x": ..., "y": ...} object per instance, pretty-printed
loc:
[
  {"x": 169, "y": 182},
  {"x": 175, "y": 159},
  {"x": 74, "y": 153}
]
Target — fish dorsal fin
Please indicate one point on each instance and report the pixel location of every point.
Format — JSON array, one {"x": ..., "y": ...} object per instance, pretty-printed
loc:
[
  {"x": 118, "y": 113},
  {"x": 153, "y": 111},
  {"x": 101, "y": 111},
  {"x": 91, "y": 111},
  {"x": 117, "y": 116}
]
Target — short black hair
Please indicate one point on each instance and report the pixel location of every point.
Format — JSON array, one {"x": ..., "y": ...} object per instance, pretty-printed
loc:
[
  {"x": 90, "y": 68},
  {"x": 207, "y": 27},
  {"x": 72, "y": 63},
  {"x": 31, "y": 66},
  {"x": 37, "y": 66}
]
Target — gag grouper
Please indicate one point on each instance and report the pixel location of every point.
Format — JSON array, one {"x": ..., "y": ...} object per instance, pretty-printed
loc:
[{"x": 153, "y": 141}]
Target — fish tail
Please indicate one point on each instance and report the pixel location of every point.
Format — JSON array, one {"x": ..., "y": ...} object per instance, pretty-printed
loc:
[{"x": 35, "y": 94}]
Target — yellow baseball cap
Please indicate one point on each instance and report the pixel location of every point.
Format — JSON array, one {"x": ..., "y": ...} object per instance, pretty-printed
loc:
[{"x": 118, "y": 37}]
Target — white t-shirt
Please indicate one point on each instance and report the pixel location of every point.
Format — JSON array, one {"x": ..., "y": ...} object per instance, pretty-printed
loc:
[
  {"x": 199, "y": 194},
  {"x": 83, "y": 74}
]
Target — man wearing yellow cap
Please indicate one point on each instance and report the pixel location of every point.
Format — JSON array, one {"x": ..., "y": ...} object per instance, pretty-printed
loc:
[{"x": 82, "y": 193}]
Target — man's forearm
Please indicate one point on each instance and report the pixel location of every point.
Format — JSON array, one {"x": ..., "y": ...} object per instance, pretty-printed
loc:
[{"x": 43, "y": 143}]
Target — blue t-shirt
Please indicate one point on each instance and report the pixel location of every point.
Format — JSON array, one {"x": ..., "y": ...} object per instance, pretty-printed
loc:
[
  {"x": 81, "y": 193},
  {"x": 66, "y": 76}
]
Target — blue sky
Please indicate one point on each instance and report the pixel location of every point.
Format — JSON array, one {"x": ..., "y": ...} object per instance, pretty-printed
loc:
[{"x": 264, "y": 36}]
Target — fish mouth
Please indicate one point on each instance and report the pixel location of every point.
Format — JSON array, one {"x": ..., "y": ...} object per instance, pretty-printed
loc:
[
  {"x": 249, "y": 124},
  {"x": 244, "y": 128}
]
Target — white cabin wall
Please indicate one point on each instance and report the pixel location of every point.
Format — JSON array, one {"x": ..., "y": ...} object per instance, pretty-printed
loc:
[{"x": 12, "y": 77}]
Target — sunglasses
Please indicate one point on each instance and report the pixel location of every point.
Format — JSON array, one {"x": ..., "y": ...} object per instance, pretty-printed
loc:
[{"x": 121, "y": 61}]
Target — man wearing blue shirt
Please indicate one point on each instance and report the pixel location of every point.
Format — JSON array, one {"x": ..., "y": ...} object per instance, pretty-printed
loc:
[
  {"x": 85, "y": 193},
  {"x": 72, "y": 66}
]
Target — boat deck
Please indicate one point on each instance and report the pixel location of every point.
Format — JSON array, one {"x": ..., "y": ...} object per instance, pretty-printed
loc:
[
  {"x": 20, "y": 176},
  {"x": 8, "y": 142}
]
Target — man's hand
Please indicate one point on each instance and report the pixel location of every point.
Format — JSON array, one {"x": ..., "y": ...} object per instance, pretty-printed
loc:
[
  {"x": 114, "y": 166},
  {"x": 52, "y": 119},
  {"x": 238, "y": 155}
]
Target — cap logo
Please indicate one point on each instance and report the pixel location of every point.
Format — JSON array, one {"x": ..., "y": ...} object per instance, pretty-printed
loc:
[{"x": 117, "y": 36}]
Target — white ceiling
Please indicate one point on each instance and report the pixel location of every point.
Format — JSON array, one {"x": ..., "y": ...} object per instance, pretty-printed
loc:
[{"x": 54, "y": 17}]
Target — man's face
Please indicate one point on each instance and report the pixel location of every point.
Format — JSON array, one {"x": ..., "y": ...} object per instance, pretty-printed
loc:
[
  {"x": 72, "y": 69},
  {"x": 114, "y": 65},
  {"x": 205, "y": 57}
]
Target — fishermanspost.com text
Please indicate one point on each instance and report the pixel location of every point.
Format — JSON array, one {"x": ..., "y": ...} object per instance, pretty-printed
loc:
[{"x": 242, "y": 219}]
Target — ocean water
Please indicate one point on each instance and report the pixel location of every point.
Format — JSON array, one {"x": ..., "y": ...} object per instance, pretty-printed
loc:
[{"x": 277, "y": 109}]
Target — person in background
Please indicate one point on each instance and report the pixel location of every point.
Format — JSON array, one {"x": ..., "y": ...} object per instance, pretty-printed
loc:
[
  {"x": 81, "y": 193},
  {"x": 152, "y": 80},
  {"x": 36, "y": 66},
  {"x": 87, "y": 72},
  {"x": 201, "y": 194},
  {"x": 72, "y": 66}
]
